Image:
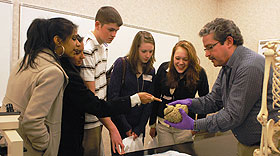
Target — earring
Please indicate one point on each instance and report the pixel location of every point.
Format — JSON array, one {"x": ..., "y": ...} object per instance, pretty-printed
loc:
[{"x": 63, "y": 50}]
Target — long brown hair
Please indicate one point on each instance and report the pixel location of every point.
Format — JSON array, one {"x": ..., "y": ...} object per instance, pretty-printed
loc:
[
  {"x": 191, "y": 73},
  {"x": 133, "y": 55}
]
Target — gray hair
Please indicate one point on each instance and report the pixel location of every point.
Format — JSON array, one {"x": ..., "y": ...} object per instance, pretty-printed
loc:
[{"x": 222, "y": 28}]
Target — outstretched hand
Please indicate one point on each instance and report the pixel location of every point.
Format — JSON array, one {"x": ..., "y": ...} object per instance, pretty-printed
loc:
[
  {"x": 117, "y": 142},
  {"x": 135, "y": 136},
  {"x": 147, "y": 98},
  {"x": 187, "y": 102},
  {"x": 186, "y": 123}
]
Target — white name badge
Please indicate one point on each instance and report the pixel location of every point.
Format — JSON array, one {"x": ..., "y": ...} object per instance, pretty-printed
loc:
[
  {"x": 167, "y": 97},
  {"x": 147, "y": 77}
]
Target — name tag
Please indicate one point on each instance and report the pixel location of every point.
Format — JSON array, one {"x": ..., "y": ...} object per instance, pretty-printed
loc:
[
  {"x": 147, "y": 77},
  {"x": 167, "y": 97}
]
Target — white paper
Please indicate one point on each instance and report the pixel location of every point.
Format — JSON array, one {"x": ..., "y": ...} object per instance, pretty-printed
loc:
[{"x": 170, "y": 153}]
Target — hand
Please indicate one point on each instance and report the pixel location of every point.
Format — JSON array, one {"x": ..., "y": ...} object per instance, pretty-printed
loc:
[
  {"x": 194, "y": 132},
  {"x": 187, "y": 102},
  {"x": 135, "y": 136},
  {"x": 153, "y": 132},
  {"x": 147, "y": 98},
  {"x": 117, "y": 142},
  {"x": 186, "y": 123},
  {"x": 129, "y": 133}
]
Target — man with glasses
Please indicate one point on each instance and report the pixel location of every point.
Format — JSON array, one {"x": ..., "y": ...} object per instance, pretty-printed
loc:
[{"x": 237, "y": 93}]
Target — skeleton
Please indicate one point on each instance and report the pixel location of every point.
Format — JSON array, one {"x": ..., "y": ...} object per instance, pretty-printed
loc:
[{"x": 270, "y": 128}]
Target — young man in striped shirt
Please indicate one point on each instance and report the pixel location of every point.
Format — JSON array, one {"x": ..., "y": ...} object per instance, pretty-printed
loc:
[{"x": 93, "y": 71}]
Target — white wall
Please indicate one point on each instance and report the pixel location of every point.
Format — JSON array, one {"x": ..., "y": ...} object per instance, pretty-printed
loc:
[
  {"x": 181, "y": 17},
  {"x": 118, "y": 48},
  {"x": 6, "y": 46},
  {"x": 257, "y": 19}
]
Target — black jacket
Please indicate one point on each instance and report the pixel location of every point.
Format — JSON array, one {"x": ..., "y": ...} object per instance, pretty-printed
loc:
[
  {"x": 137, "y": 118},
  {"x": 77, "y": 101},
  {"x": 161, "y": 90}
]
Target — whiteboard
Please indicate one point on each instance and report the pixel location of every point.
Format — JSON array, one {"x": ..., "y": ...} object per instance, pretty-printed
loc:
[
  {"x": 123, "y": 40},
  {"x": 6, "y": 45},
  {"x": 120, "y": 45},
  {"x": 28, "y": 14}
]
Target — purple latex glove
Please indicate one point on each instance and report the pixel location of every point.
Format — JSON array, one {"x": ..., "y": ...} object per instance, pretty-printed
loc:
[
  {"x": 187, "y": 102},
  {"x": 186, "y": 123}
]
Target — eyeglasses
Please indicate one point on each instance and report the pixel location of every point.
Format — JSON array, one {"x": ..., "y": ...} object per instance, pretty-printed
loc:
[{"x": 210, "y": 47}]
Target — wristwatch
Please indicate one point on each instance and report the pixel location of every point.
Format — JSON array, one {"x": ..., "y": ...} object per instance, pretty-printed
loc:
[{"x": 194, "y": 127}]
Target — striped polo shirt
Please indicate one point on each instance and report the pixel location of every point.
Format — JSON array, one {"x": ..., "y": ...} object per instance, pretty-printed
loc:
[{"x": 94, "y": 69}]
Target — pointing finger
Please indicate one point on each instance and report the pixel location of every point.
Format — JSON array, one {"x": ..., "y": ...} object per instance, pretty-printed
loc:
[{"x": 156, "y": 99}]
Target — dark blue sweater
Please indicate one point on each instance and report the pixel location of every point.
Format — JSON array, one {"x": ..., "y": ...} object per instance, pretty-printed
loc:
[{"x": 137, "y": 118}]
